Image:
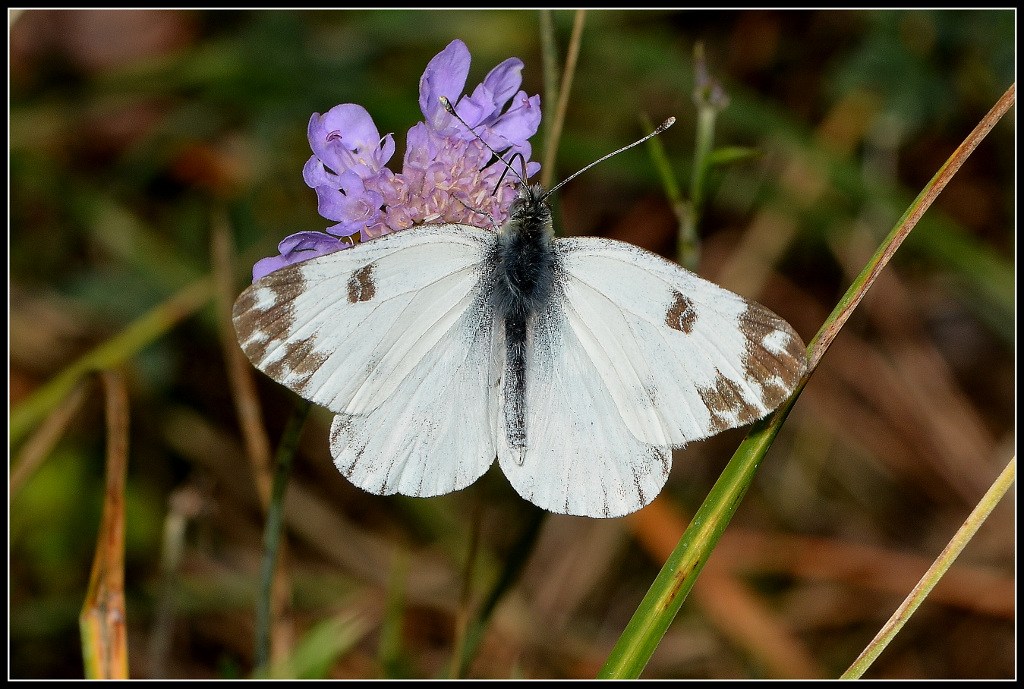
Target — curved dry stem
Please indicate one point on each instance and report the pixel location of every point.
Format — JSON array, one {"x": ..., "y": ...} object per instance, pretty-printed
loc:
[{"x": 103, "y": 621}]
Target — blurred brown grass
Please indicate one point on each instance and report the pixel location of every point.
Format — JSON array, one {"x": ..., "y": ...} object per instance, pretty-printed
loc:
[{"x": 132, "y": 130}]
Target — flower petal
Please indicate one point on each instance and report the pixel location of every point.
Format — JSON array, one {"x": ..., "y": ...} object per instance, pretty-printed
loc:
[
  {"x": 500, "y": 83},
  {"x": 517, "y": 124},
  {"x": 445, "y": 75},
  {"x": 345, "y": 138},
  {"x": 298, "y": 247}
]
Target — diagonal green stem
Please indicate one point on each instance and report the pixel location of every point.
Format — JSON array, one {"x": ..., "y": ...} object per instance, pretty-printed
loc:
[
  {"x": 649, "y": 623},
  {"x": 670, "y": 588},
  {"x": 272, "y": 530}
]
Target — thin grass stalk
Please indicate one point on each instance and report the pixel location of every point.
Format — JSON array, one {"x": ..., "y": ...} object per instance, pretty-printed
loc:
[
  {"x": 662, "y": 165},
  {"x": 464, "y": 613},
  {"x": 38, "y": 447},
  {"x": 389, "y": 646},
  {"x": 513, "y": 567},
  {"x": 240, "y": 376},
  {"x": 118, "y": 349},
  {"x": 185, "y": 503},
  {"x": 710, "y": 100},
  {"x": 103, "y": 621},
  {"x": 551, "y": 145},
  {"x": 272, "y": 530},
  {"x": 670, "y": 588},
  {"x": 549, "y": 62},
  {"x": 938, "y": 568},
  {"x": 687, "y": 242},
  {"x": 250, "y": 419}
]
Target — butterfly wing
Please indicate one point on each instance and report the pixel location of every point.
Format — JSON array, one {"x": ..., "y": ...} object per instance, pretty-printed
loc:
[
  {"x": 634, "y": 357},
  {"x": 394, "y": 336},
  {"x": 580, "y": 456}
]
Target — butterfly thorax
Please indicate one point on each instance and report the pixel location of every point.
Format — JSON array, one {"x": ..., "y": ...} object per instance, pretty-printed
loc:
[{"x": 525, "y": 257}]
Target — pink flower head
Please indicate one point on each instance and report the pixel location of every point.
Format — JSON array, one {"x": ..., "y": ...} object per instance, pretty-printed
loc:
[{"x": 448, "y": 175}]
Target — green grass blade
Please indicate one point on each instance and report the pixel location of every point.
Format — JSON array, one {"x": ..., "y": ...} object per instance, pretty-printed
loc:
[
  {"x": 670, "y": 588},
  {"x": 110, "y": 354},
  {"x": 942, "y": 563},
  {"x": 273, "y": 528}
]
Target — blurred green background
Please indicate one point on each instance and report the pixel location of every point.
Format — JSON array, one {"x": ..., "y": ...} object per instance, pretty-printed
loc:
[{"x": 132, "y": 133}]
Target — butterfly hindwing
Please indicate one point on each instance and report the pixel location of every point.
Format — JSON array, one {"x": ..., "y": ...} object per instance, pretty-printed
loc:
[
  {"x": 395, "y": 337},
  {"x": 435, "y": 433},
  {"x": 580, "y": 458}
]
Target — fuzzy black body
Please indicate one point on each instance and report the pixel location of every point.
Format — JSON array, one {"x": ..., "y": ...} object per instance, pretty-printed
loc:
[{"x": 524, "y": 278}]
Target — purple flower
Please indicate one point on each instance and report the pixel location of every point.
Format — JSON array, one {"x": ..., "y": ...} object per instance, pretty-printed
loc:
[
  {"x": 297, "y": 247},
  {"x": 446, "y": 170}
]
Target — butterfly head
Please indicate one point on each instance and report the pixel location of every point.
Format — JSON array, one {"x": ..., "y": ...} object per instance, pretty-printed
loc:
[{"x": 529, "y": 213}]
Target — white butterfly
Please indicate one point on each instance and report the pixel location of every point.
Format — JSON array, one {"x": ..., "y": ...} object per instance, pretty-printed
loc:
[{"x": 579, "y": 363}]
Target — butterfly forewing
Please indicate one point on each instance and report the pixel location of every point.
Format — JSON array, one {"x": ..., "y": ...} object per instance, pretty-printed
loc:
[
  {"x": 342, "y": 329},
  {"x": 700, "y": 358},
  {"x": 396, "y": 337}
]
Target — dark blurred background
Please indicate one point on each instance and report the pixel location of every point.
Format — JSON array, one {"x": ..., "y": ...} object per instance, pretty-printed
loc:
[{"x": 132, "y": 133}]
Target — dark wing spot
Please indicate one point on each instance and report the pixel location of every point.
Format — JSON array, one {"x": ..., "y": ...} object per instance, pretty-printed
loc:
[
  {"x": 773, "y": 363},
  {"x": 341, "y": 436},
  {"x": 726, "y": 404},
  {"x": 349, "y": 438},
  {"x": 639, "y": 492},
  {"x": 300, "y": 359},
  {"x": 662, "y": 456},
  {"x": 680, "y": 315},
  {"x": 258, "y": 327},
  {"x": 360, "y": 285},
  {"x": 776, "y": 369},
  {"x": 652, "y": 394}
]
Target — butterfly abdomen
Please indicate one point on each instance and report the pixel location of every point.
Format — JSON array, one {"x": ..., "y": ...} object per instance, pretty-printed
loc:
[{"x": 524, "y": 275}]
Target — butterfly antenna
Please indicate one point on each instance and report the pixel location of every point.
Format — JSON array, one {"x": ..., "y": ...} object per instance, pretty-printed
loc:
[
  {"x": 660, "y": 128},
  {"x": 509, "y": 166},
  {"x": 450, "y": 109}
]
